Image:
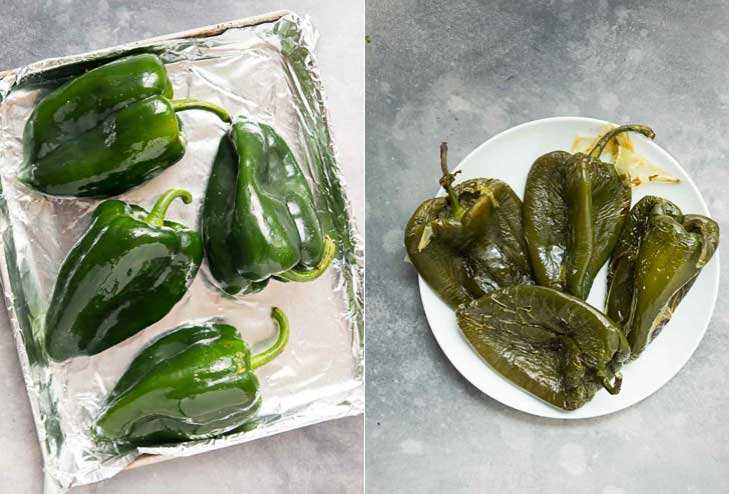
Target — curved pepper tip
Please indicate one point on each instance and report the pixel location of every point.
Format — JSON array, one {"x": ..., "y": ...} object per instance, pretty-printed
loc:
[{"x": 614, "y": 388}]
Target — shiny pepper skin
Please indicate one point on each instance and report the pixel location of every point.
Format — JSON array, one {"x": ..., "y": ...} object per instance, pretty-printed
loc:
[
  {"x": 125, "y": 273},
  {"x": 194, "y": 382},
  {"x": 259, "y": 218},
  {"x": 107, "y": 130}
]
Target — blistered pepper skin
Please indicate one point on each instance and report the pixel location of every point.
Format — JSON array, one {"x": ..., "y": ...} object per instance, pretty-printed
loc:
[
  {"x": 551, "y": 344},
  {"x": 545, "y": 218},
  {"x": 466, "y": 259},
  {"x": 574, "y": 211},
  {"x": 659, "y": 256},
  {"x": 106, "y": 131},
  {"x": 259, "y": 217},
  {"x": 124, "y": 274},
  {"x": 194, "y": 382},
  {"x": 470, "y": 242},
  {"x": 622, "y": 266}
]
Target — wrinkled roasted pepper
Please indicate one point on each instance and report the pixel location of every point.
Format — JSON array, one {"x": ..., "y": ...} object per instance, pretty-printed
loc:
[
  {"x": 659, "y": 255},
  {"x": 575, "y": 206},
  {"x": 125, "y": 273},
  {"x": 107, "y": 130},
  {"x": 470, "y": 242},
  {"x": 194, "y": 382},
  {"x": 549, "y": 343},
  {"x": 259, "y": 218}
]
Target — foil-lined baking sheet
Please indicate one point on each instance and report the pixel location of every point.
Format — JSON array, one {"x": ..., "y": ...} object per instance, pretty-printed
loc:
[{"x": 262, "y": 67}]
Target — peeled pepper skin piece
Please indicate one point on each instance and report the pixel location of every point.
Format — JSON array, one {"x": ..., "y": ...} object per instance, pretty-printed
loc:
[
  {"x": 107, "y": 130},
  {"x": 574, "y": 209},
  {"x": 125, "y": 273},
  {"x": 194, "y": 382},
  {"x": 549, "y": 343},
  {"x": 473, "y": 248},
  {"x": 259, "y": 218},
  {"x": 656, "y": 267}
]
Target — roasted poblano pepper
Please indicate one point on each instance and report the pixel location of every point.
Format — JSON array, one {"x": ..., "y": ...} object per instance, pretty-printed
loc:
[
  {"x": 470, "y": 242},
  {"x": 125, "y": 273},
  {"x": 575, "y": 207},
  {"x": 194, "y": 382},
  {"x": 549, "y": 343},
  {"x": 259, "y": 218},
  {"x": 658, "y": 256},
  {"x": 107, "y": 130}
]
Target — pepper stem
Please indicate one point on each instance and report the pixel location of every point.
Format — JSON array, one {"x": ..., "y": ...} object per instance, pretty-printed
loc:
[
  {"x": 156, "y": 216},
  {"x": 274, "y": 350},
  {"x": 614, "y": 388},
  {"x": 197, "y": 104},
  {"x": 446, "y": 180},
  {"x": 597, "y": 150},
  {"x": 330, "y": 248}
]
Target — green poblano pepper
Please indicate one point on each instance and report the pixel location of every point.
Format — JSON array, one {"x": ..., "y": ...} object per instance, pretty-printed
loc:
[
  {"x": 195, "y": 382},
  {"x": 259, "y": 218},
  {"x": 658, "y": 257},
  {"x": 126, "y": 272},
  {"x": 107, "y": 130},
  {"x": 549, "y": 343},
  {"x": 575, "y": 207},
  {"x": 622, "y": 266},
  {"x": 470, "y": 242}
]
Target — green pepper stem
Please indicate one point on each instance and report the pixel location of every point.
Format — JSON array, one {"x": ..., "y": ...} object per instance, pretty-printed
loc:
[
  {"x": 597, "y": 150},
  {"x": 274, "y": 350},
  {"x": 156, "y": 216},
  {"x": 328, "y": 254},
  {"x": 197, "y": 104},
  {"x": 614, "y": 388},
  {"x": 446, "y": 180}
]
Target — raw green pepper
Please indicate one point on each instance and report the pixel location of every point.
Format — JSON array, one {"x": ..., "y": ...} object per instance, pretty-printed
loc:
[
  {"x": 658, "y": 257},
  {"x": 549, "y": 343},
  {"x": 194, "y": 382},
  {"x": 126, "y": 272},
  {"x": 470, "y": 242},
  {"x": 575, "y": 207},
  {"x": 259, "y": 218},
  {"x": 107, "y": 130}
]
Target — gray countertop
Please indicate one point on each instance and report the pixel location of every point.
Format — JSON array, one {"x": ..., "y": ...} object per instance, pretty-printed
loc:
[
  {"x": 464, "y": 71},
  {"x": 319, "y": 459}
]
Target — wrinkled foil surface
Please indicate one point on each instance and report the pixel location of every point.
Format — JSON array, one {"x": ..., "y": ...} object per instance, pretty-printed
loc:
[{"x": 262, "y": 67}]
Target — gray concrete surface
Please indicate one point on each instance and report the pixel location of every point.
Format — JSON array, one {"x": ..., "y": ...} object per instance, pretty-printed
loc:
[
  {"x": 325, "y": 458},
  {"x": 466, "y": 70}
]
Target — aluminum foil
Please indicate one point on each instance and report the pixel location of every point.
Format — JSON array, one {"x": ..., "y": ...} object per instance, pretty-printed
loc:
[{"x": 263, "y": 67}]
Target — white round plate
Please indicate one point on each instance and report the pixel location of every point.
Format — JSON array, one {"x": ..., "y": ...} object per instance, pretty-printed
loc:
[{"x": 508, "y": 156}]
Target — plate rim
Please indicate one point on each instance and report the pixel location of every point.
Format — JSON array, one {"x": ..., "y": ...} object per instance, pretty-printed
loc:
[{"x": 559, "y": 414}]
